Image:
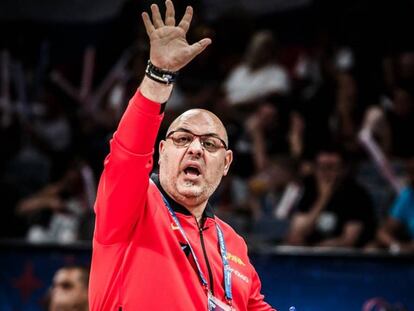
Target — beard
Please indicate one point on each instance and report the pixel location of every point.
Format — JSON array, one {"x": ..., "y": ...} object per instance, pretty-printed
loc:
[
  {"x": 185, "y": 191},
  {"x": 190, "y": 189}
]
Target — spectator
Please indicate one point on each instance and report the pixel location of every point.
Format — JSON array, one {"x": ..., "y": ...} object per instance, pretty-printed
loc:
[
  {"x": 267, "y": 133},
  {"x": 51, "y": 131},
  {"x": 69, "y": 291},
  {"x": 399, "y": 69},
  {"x": 273, "y": 195},
  {"x": 259, "y": 75},
  {"x": 314, "y": 92},
  {"x": 397, "y": 232},
  {"x": 401, "y": 122},
  {"x": 346, "y": 117},
  {"x": 393, "y": 124},
  {"x": 334, "y": 210},
  {"x": 62, "y": 211}
]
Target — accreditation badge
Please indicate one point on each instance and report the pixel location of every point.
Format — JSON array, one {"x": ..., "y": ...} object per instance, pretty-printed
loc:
[{"x": 215, "y": 304}]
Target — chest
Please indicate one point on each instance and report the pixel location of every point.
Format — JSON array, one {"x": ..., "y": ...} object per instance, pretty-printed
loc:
[{"x": 196, "y": 250}]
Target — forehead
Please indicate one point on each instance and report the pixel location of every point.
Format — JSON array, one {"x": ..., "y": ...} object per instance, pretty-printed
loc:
[{"x": 199, "y": 122}]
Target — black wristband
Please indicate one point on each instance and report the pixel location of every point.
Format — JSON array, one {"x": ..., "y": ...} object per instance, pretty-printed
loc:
[{"x": 160, "y": 75}]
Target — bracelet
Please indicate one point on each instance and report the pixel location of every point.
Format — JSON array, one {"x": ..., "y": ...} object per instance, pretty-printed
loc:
[{"x": 160, "y": 75}]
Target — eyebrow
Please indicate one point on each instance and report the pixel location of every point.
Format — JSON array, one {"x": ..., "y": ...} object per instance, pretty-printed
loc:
[{"x": 188, "y": 131}]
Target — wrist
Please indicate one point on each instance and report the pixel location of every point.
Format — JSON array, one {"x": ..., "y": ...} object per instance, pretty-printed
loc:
[
  {"x": 155, "y": 91},
  {"x": 160, "y": 75}
]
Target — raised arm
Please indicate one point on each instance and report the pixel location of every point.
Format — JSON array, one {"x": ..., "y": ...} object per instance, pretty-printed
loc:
[
  {"x": 366, "y": 137},
  {"x": 124, "y": 182}
]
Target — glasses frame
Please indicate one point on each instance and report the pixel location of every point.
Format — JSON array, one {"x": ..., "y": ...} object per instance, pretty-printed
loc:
[{"x": 224, "y": 145}]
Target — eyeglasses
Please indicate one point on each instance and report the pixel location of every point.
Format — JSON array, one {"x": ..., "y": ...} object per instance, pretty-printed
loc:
[{"x": 182, "y": 138}]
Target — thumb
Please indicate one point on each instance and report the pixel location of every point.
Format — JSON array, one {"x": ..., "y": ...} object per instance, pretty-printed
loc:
[{"x": 199, "y": 46}]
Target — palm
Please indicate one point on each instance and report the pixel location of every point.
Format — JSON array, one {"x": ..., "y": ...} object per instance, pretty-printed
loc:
[{"x": 169, "y": 47}]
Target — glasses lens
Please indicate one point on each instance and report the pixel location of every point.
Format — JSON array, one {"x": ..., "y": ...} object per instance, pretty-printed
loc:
[
  {"x": 211, "y": 144},
  {"x": 182, "y": 139}
]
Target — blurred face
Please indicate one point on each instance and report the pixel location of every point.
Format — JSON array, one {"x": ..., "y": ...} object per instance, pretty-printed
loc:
[
  {"x": 279, "y": 175},
  {"x": 406, "y": 64},
  {"x": 191, "y": 167},
  {"x": 261, "y": 48},
  {"x": 69, "y": 293},
  {"x": 402, "y": 103},
  {"x": 328, "y": 167}
]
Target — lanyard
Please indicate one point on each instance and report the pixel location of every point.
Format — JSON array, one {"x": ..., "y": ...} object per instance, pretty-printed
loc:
[{"x": 223, "y": 253}]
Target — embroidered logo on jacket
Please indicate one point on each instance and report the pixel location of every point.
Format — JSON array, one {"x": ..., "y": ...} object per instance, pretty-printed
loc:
[
  {"x": 240, "y": 275},
  {"x": 235, "y": 259}
]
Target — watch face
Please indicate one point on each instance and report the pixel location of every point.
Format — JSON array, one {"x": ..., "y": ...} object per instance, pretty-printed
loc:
[{"x": 159, "y": 75}]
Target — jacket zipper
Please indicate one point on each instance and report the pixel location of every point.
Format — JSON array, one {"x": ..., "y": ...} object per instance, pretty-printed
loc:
[{"x": 210, "y": 274}]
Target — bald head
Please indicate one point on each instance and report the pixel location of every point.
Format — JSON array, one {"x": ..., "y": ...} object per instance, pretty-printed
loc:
[
  {"x": 203, "y": 118},
  {"x": 209, "y": 159}
]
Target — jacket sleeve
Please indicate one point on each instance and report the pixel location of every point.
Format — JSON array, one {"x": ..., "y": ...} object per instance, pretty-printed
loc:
[
  {"x": 124, "y": 182},
  {"x": 256, "y": 300}
]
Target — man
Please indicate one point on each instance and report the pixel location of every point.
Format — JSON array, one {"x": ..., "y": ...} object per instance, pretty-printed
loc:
[
  {"x": 334, "y": 210},
  {"x": 70, "y": 289},
  {"x": 157, "y": 244}
]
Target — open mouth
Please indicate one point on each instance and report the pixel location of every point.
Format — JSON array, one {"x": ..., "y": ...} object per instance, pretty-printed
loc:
[{"x": 192, "y": 171}]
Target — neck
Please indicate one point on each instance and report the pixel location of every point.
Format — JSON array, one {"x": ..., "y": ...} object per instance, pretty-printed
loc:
[
  {"x": 195, "y": 205},
  {"x": 197, "y": 212},
  {"x": 195, "y": 208}
]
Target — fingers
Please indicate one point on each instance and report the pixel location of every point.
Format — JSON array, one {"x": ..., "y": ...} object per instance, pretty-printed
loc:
[
  {"x": 149, "y": 27},
  {"x": 158, "y": 22},
  {"x": 199, "y": 46},
  {"x": 156, "y": 16},
  {"x": 169, "y": 13},
  {"x": 186, "y": 20}
]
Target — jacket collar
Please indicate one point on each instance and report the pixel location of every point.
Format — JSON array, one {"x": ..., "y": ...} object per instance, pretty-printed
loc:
[{"x": 178, "y": 208}]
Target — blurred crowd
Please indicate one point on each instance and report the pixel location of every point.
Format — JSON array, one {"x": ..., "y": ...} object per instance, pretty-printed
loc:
[{"x": 321, "y": 137}]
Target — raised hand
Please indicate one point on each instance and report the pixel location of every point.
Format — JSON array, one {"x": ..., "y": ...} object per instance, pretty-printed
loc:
[{"x": 169, "y": 48}]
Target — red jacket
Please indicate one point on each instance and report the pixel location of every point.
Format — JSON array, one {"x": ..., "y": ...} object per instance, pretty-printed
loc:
[{"x": 140, "y": 260}]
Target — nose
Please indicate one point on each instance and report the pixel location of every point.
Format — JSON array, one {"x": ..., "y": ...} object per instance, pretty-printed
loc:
[{"x": 195, "y": 147}]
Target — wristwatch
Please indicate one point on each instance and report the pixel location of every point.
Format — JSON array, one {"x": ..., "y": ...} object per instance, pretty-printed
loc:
[{"x": 160, "y": 75}]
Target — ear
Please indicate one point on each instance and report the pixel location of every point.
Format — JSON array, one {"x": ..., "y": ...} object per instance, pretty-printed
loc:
[
  {"x": 227, "y": 161},
  {"x": 161, "y": 148}
]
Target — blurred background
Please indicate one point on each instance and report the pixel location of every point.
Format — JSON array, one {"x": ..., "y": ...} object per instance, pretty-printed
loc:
[{"x": 318, "y": 100}]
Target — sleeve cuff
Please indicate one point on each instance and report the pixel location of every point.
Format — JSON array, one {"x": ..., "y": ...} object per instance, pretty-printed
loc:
[{"x": 146, "y": 105}]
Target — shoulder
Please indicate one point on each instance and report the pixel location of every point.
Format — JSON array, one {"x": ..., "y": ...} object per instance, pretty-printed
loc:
[
  {"x": 239, "y": 72},
  {"x": 406, "y": 194},
  {"x": 154, "y": 194},
  {"x": 237, "y": 251},
  {"x": 407, "y": 191},
  {"x": 274, "y": 71}
]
